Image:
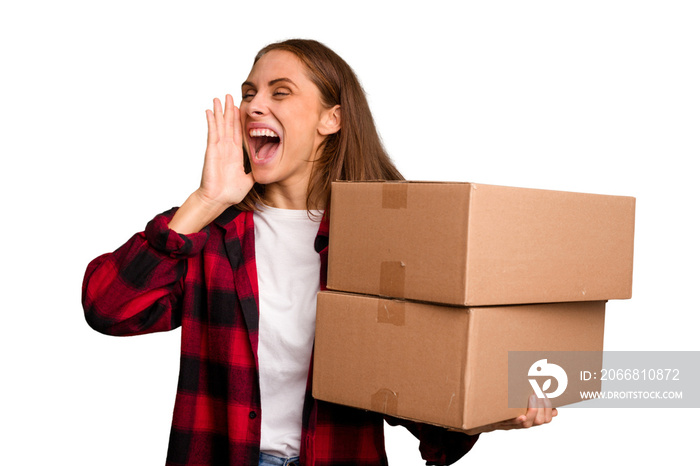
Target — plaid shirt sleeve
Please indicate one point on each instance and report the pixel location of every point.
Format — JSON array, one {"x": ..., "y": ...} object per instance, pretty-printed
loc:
[{"x": 138, "y": 288}]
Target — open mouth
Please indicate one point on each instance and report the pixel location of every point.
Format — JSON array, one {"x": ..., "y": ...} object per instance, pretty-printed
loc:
[{"x": 264, "y": 143}]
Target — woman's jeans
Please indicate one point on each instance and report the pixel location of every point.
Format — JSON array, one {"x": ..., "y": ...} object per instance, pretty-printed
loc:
[{"x": 269, "y": 460}]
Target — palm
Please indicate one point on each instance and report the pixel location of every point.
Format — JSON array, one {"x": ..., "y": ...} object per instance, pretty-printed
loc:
[{"x": 223, "y": 178}]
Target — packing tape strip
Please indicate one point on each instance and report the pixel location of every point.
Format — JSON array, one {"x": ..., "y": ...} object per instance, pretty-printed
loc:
[
  {"x": 391, "y": 312},
  {"x": 394, "y": 195},
  {"x": 385, "y": 401},
  {"x": 392, "y": 279}
]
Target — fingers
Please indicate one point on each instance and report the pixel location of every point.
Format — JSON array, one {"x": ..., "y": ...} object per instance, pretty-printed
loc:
[
  {"x": 539, "y": 412},
  {"x": 212, "y": 133},
  {"x": 224, "y": 123},
  {"x": 215, "y": 125},
  {"x": 228, "y": 116},
  {"x": 233, "y": 121},
  {"x": 219, "y": 117}
]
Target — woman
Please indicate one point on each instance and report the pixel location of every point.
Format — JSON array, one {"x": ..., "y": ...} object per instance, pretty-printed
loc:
[{"x": 237, "y": 267}]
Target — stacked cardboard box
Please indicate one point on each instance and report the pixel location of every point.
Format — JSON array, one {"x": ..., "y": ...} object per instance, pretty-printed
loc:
[{"x": 434, "y": 283}]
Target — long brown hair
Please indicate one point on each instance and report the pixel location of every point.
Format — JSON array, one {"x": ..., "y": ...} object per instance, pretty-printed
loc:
[{"x": 355, "y": 152}]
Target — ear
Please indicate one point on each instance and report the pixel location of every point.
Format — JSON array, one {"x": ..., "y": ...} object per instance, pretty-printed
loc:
[{"x": 330, "y": 121}]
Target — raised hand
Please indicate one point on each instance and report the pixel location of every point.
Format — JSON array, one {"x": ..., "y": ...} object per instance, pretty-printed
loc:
[{"x": 224, "y": 180}]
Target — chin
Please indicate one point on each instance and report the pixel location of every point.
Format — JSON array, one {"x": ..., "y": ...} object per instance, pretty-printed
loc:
[{"x": 264, "y": 176}]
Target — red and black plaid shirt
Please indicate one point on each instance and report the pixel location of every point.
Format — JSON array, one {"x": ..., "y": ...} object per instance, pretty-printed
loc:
[{"x": 207, "y": 284}]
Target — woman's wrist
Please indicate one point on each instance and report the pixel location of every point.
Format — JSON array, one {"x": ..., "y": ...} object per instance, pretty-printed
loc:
[{"x": 195, "y": 213}]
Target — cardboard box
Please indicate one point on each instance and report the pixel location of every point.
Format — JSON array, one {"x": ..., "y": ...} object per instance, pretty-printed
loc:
[
  {"x": 475, "y": 245},
  {"x": 442, "y": 365}
]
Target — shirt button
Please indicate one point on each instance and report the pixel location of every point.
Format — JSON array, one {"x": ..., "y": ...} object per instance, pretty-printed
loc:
[{"x": 252, "y": 415}]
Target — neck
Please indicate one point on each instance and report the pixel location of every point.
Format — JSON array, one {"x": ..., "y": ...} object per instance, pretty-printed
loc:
[{"x": 285, "y": 198}]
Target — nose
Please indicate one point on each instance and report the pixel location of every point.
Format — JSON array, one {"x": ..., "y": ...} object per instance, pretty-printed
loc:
[{"x": 257, "y": 106}]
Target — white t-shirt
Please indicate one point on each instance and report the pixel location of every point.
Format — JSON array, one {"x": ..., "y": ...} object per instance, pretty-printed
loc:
[{"x": 288, "y": 280}]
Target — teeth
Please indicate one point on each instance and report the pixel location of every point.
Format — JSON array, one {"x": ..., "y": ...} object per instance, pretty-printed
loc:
[{"x": 263, "y": 132}]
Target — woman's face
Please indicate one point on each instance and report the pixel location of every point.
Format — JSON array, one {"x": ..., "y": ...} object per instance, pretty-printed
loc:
[{"x": 283, "y": 121}]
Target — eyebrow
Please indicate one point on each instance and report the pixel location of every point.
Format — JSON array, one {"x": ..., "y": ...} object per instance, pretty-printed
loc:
[{"x": 271, "y": 83}]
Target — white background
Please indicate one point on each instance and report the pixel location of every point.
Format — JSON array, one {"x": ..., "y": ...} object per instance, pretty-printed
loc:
[{"x": 102, "y": 121}]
